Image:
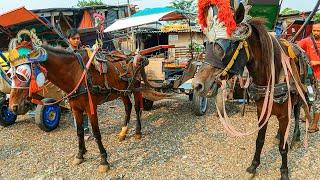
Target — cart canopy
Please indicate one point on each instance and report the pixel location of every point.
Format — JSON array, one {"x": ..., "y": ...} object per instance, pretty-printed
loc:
[
  {"x": 13, "y": 21},
  {"x": 148, "y": 16}
]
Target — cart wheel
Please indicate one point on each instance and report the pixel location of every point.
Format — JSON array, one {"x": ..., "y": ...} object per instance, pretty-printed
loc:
[
  {"x": 7, "y": 117},
  {"x": 219, "y": 102},
  {"x": 147, "y": 104},
  {"x": 199, "y": 104},
  {"x": 48, "y": 117}
]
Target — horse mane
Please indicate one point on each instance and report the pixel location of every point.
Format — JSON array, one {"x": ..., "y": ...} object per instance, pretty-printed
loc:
[
  {"x": 258, "y": 27},
  {"x": 57, "y": 50}
]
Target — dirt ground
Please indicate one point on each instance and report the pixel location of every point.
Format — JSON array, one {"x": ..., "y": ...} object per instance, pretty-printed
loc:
[{"x": 175, "y": 145}]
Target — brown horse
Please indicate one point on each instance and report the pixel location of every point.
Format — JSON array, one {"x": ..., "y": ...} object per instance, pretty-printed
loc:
[
  {"x": 64, "y": 70},
  {"x": 262, "y": 48}
]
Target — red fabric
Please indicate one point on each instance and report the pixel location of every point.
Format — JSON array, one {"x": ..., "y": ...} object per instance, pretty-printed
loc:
[
  {"x": 17, "y": 16},
  {"x": 307, "y": 45},
  {"x": 86, "y": 21},
  {"x": 225, "y": 13}
]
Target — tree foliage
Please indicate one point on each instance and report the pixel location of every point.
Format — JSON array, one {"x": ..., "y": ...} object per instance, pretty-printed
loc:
[
  {"x": 289, "y": 11},
  {"x": 317, "y": 16},
  {"x": 185, "y": 5},
  {"x": 83, "y": 3}
]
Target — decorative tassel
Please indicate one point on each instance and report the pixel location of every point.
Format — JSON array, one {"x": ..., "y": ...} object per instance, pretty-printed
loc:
[
  {"x": 33, "y": 87},
  {"x": 225, "y": 13},
  {"x": 35, "y": 101}
]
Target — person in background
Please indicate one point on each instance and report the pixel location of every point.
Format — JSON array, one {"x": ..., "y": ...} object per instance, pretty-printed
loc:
[
  {"x": 73, "y": 36},
  {"x": 312, "y": 45}
]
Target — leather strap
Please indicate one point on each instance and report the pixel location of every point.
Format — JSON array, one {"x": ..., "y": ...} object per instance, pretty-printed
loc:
[{"x": 315, "y": 45}]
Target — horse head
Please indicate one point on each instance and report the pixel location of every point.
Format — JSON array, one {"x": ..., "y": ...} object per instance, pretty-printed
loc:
[
  {"x": 226, "y": 37},
  {"x": 26, "y": 76},
  {"x": 20, "y": 79}
]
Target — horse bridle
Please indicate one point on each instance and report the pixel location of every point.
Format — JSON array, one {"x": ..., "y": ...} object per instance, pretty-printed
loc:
[{"x": 228, "y": 46}]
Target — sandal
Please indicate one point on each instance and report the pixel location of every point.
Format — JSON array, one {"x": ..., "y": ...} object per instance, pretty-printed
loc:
[
  {"x": 302, "y": 120},
  {"x": 88, "y": 137},
  {"x": 313, "y": 130}
]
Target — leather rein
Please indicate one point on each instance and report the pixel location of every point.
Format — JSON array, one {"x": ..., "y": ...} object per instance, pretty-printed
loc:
[
  {"x": 79, "y": 90},
  {"x": 269, "y": 93}
]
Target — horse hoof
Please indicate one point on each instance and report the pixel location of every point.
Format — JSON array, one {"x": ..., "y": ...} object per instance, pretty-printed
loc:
[
  {"x": 248, "y": 176},
  {"x": 295, "y": 144},
  {"x": 77, "y": 161},
  {"x": 137, "y": 136},
  {"x": 251, "y": 170},
  {"x": 276, "y": 141},
  {"x": 284, "y": 174},
  {"x": 103, "y": 168},
  {"x": 121, "y": 138}
]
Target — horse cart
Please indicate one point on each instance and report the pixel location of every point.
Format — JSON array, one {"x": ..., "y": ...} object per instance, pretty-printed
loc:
[
  {"x": 46, "y": 117},
  {"x": 171, "y": 67}
]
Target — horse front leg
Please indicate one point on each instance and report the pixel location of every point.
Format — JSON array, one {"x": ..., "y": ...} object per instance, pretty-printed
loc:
[
  {"x": 259, "y": 145},
  {"x": 137, "y": 108},
  {"x": 128, "y": 107},
  {"x": 80, "y": 132},
  {"x": 296, "y": 142},
  {"x": 283, "y": 123},
  {"x": 104, "y": 165}
]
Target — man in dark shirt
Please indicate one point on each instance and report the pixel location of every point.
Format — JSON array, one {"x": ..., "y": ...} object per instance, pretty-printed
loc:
[{"x": 73, "y": 36}]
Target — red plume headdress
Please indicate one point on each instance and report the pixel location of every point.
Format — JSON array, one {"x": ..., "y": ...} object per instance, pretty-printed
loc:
[{"x": 225, "y": 13}]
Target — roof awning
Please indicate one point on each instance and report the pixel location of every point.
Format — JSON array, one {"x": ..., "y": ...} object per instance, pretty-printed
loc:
[
  {"x": 149, "y": 16},
  {"x": 17, "y": 16}
]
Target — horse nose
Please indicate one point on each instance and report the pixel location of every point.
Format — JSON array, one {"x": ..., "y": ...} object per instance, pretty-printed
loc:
[
  {"x": 15, "y": 108},
  {"x": 198, "y": 86}
]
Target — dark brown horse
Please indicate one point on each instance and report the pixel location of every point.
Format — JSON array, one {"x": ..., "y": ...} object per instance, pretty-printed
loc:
[
  {"x": 64, "y": 70},
  {"x": 263, "y": 48}
]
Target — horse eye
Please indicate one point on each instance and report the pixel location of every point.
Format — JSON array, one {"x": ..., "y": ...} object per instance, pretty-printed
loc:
[
  {"x": 21, "y": 78},
  {"x": 218, "y": 50}
]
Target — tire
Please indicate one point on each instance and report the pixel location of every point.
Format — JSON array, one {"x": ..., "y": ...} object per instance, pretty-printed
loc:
[
  {"x": 199, "y": 104},
  {"x": 147, "y": 104},
  {"x": 47, "y": 117},
  {"x": 7, "y": 117}
]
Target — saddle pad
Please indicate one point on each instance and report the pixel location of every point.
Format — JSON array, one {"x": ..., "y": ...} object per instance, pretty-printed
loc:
[{"x": 100, "y": 66}]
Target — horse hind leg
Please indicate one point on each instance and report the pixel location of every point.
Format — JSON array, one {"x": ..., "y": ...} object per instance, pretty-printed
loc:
[
  {"x": 296, "y": 142},
  {"x": 104, "y": 165},
  {"x": 128, "y": 107},
  {"x": 259, "y": 145},
  {"x": 137, "y": 108},
  {"x": 80, "y": 132},
  {"x": 283, "y": 122}
]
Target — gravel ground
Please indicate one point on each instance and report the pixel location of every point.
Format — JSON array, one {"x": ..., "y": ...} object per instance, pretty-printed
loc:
[{"x": 175, "y": 145}]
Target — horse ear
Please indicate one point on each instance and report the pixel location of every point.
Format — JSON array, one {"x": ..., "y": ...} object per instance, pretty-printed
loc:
[{"x": 239, "y": 15}]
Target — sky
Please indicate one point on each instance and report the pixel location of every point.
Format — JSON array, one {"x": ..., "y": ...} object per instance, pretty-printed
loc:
[{"x": 6, "y": 5}]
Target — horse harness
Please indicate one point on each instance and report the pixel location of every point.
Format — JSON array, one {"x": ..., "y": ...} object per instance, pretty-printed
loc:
[
  {"x": 281, "y": 93},
  {"x": 103, "y": 60}
]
